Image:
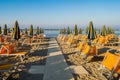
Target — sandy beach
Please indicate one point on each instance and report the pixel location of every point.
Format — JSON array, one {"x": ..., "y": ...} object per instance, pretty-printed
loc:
[
  {"x": 91, "y": 64},
  {"x": 36, "y": 56}
]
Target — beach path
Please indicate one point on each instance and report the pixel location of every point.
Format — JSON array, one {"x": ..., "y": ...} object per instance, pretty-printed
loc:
[{"x": 56, "y": 67}]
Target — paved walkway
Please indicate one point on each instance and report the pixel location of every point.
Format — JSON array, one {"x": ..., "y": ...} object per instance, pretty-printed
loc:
[{"x": 56, "y": 67}]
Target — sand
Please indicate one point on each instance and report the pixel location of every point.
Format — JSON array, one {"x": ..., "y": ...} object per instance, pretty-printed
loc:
[
  {"x": 36, "y": 56},
  {"x": 91, "y": 64}
]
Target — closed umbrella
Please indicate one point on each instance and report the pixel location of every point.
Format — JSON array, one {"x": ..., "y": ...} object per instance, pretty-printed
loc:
[
  {"x": 80, "y": 31},
  {"x": 87, "y": 30},
  {"x": 68, "y": 30},
  {"x": 91, "y": 34},
  {"x": 16, "y": 33},
  {"x": 37, "y": 31},
  {"x": 98, "y": 31},
  {"x": 104, "y": 31},
  {"x": 31, "y": 30},
  {"x": 95, "y": 34},
  {"x": 75, "y": 30},
  {"x": 26, "y": 32},
  {"x": 0, "y": 30},
  {"x": 5, "y": 30}
]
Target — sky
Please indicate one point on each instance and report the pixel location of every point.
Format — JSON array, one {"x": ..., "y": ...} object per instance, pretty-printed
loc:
[{"x": 60, "y": 13}]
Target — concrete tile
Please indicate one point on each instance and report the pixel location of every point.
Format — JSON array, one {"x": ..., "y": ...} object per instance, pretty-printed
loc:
[
  {"x": 56, "y": 67},
  {"x": 37, "y": 69}
]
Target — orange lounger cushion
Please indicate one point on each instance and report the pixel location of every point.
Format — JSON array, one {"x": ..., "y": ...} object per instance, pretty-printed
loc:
[
  {"x": 7, "y": 48},
  {"x": 86, "y": 49},
  {"x": 18, "y": 53},
  {"x": 93, "y": 50},
  {"x": 80, "y": 45},
  {"x": 110, "y": 61},
  {"x": 5, "y": 66}
]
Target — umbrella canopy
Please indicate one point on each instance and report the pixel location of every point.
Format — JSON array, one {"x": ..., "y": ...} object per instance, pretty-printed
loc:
[
  {"x": 26, "y": 32},
  {"x": 87, "y": 30},
  {"x": 104, "y": 31},
  {"x": 95, "y": 34},
  {"x": 16, "y": 33},
  {"x": 91, "y": 33},
  {"x": 0, "y": 30},
  {"x": 68, "y": 30},
  {"x": 64, "y": 31},
  {"x": 5, "y": 30},
  {"x": 31, "y": 29},
  {"x": 40, "y": 31},
  {"x": 75, "y": 30},
  {"x": 37, "y": 31},
  {"x": 80, "y": 31},
  {"x": 98, "y": 31}
]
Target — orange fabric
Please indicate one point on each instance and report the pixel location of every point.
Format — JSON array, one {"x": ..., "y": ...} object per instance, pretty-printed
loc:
[
  {"x": 5, "y": 66},
  {"x": 19, "y": 53},
  {"x": 69, "y": 40},
  {"x": 93, "y": 50},
  {"x": 4, "y": 50},
  {"x": 10, "y": 48},
  {"x": 95, "y": 40},
  {"x": 86, "y": 49},
  {"x": 118, "y": 68},
  {"x": 73, "y": 41},
  {"x": 1, "y": 39},
  {"x": 80, "y": 46},
  {"x": 110, "y": 62},
  {"x": 102, "y": 40},
  {"x": 34, "y": 37},
  {"x": 118, "y": 39}
]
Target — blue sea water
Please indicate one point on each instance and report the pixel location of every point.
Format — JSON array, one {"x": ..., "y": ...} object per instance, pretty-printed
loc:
[
  {"x": 51, "y": 33},
  {"x": 54, "y": 33}
]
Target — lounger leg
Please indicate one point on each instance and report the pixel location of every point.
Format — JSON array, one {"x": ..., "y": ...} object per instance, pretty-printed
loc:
[
  {"x": 21, "y": 58},
  {"x": 101, "y": 68},
  {"x": 110, "y": 78},
  {"x": 78, "y": 53},
  {"x": 1, "y": 77}
]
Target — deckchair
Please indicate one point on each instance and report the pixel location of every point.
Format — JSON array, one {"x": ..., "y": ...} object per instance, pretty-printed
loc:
[
  {"x": 5, "y": 67},
  {"x": 41, "y": 37},
  {"x": 1, "y": 39},
  {"x": 112, "y": 63},
  {"x": 71, "y": 41},
  {"x": 26, "y": 41},
  {"x": 64, "y": 38},
  {"x": 89, "y": 50},
  {"x": 8, "y": 50},
  {"x": 59, "y": 37},
  {"x": 83, "y": 38},
  {"x": 34, "y": 38},
  {"x": 80, "y": 47},
  {"x": 101, "y": 41}
]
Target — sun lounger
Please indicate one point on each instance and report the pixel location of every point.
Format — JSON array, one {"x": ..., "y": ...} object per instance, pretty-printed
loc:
[
  {"x": 89, "y": 50},
  {"x": 80, "y": 47},
  {"x": 4, "y": 67},
  {"x": 8, "y": 50},
  {"x": 112, "y": 63}
]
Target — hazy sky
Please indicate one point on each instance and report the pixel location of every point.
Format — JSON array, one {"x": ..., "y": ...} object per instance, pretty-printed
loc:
[{"x": 60, "y": 12}]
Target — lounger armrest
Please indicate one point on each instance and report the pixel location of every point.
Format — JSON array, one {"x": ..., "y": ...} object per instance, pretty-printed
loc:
[
  {"x": 118, "y": 51},
  {"x": 110, "y": 50}
]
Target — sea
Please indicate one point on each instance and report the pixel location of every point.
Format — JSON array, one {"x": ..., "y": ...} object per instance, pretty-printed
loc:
[{"x": 55, "y": 33}]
